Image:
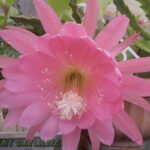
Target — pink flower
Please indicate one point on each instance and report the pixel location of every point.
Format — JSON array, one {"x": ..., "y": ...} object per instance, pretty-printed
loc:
[{"x": 64, "y": 81}]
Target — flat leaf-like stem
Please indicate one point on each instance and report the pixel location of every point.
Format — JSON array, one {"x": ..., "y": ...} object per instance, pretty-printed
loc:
[
  {"x": 33, "y": 23},
  {"x": 145, "y": 6},
  {"x": 133, "y": 22}
]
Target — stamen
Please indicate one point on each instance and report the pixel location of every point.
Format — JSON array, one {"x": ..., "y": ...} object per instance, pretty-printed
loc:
[
  {"x": 70, "y": 55},
  {"x": 46, "y": 69},
  {"x": 100, "y": 98},
  {"x": 42, "y": 72},
  {"x": 48, "y": 80},
  {"x": 71, "y": 105},
  {"x": 42, "y": 89}
]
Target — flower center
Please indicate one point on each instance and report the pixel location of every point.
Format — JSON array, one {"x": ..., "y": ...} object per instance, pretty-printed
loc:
[
  {"x": 70, "y": 101},
  {"x": 70, "y": 105},
  {"x": 74, "y": 79}
]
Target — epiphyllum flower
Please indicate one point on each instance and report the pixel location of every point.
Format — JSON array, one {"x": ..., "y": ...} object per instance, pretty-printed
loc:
[{"x": 64, "y": 81}]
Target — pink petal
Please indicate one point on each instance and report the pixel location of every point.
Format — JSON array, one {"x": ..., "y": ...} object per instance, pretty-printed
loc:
[
  {"x": 70, "y": 141},
  {"x": 139, "y": 101},
  {"x": 22, "y": 42},
  {"x": 2, "y": 82},
  {"x": 104, "y": 131},
  {"x": 86, "y": 120},
  {"x": 50, "y": 128},
  {"x": 135, "y": 86},
  {"x": 94, "y": 140},
  {"x": 49, "y": 19},
  {"x": 135, "y": 65},
  {"x": 63, "y": 46},
  {"x": 106, "y": 112},
  {"x": 73, "y": 30},
  {"x": 112, "y": 33},
  {"x": 42, "y": 44},
  {"x": 124, "y": 123},
  {"x": 24, "y": 83},
  {"x": 34, "y": 114},
  {"x": 116, "y": 50},
  {"x": 104, "y": 109},
  {"x": 21, "y": 79},
  {"x": 33, "y": 131},
  {"x": 66, "y": 126},
  {"x": 82, "y": 49},
  {"x": 12, "y": 71},
  {"x": 110, "y": 90},
  {"x": 91, "y": 17},
  {"x": 13, "y": 100},
  {"x": 13, "y": 116},
  {"x": 40, "y": 61},
  {"x": 18, "y": 81},
  {"x": 22, "y": 31},
  {"x": 5, "y": 61}
]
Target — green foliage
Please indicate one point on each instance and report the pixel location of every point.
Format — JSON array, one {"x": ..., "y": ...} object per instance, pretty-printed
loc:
[
  {"x": 13, "y": 12},
  {"x": 102, "y": 5},
  {"x": 66, "y": 17},
  {"x": 2, "y": 18},
  {"x": 8, "y": 51},
  {"x": 119, "y": 57},
  {"x": 76, "y": 13},
  {"x": 5, "y": 19},
  {"x": 129, "y": 56},
  {"x": 6, "y": 4},
  {"x": 133, "y": 22},
  {"x": 80, "y": 1},
  {"x": 9, "y": 3},
  {"x": 143, "y": 44},
  {"x": 8, "y": 10},
  {"x": 32, "y": 24},
  {"x": 1, "y": 76},
  {"x": 59, "y": 5},
  {"x": 145, "y": 5}
]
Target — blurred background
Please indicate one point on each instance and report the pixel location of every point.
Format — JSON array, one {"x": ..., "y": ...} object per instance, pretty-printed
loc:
[{"x": 22, "y": 13}]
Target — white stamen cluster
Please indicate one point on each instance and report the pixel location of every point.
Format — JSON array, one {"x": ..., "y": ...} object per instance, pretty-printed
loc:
[
  {"x": 71, "y": 105},
  {"x": 45, "y": 71}
]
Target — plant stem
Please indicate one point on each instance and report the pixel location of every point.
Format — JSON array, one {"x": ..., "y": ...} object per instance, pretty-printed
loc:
[
  {"x": 84, "y": 142},
  {"x": 6, "y": 12},
  {"x": 133, "y": 22}
]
